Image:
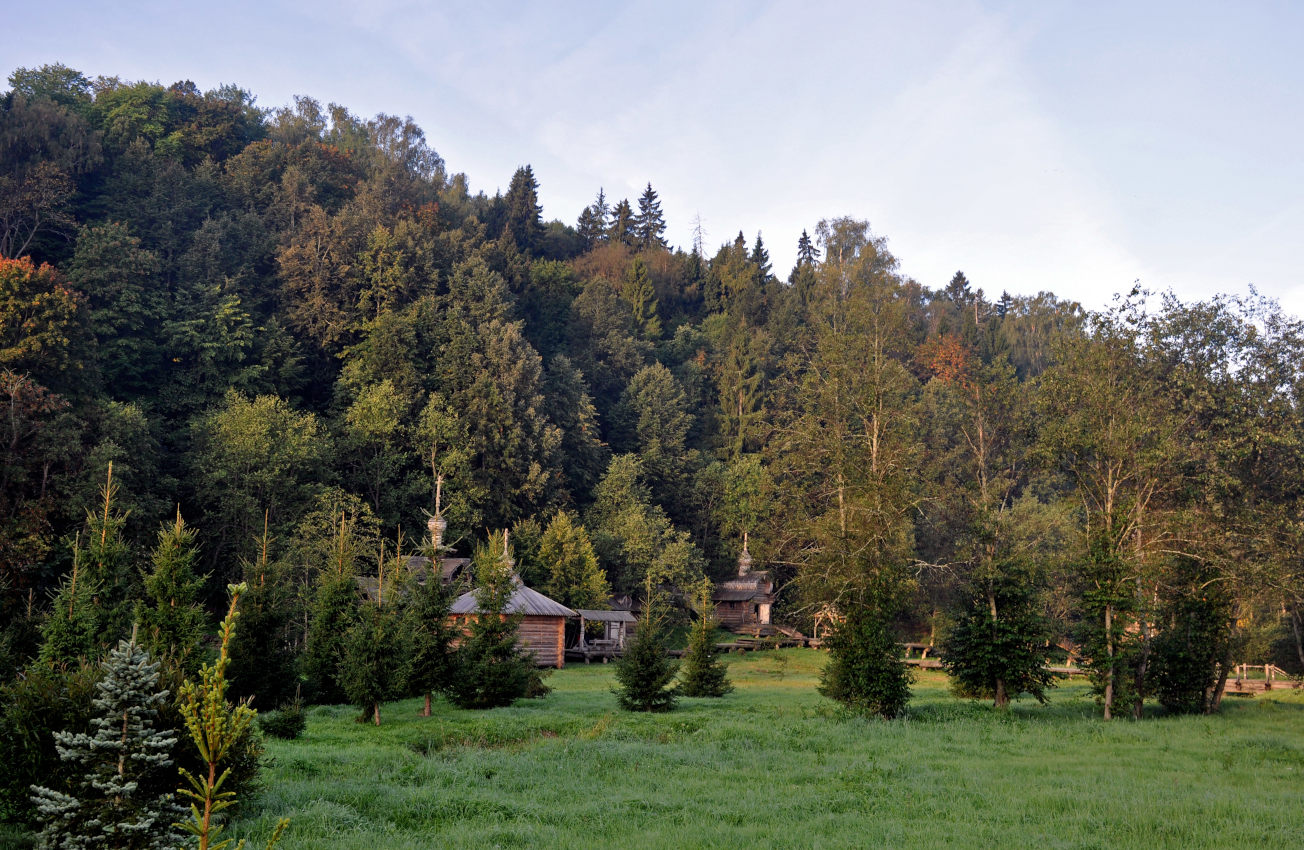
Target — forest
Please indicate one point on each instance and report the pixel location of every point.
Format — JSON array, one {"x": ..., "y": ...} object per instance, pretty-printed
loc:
[{"x": 247, "y": 344}]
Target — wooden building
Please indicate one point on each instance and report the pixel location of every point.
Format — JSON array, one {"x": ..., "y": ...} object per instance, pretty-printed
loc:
[
  {"x": 746, "y": 599},
  {"x": 543, "y": 622}
]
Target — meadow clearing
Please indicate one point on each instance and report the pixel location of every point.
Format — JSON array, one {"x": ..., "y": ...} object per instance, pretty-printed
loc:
[{"x": 774, "y": 764}]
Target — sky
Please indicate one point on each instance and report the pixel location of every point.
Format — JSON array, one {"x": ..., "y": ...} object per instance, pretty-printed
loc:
[{"x": 1072, "y": 147}]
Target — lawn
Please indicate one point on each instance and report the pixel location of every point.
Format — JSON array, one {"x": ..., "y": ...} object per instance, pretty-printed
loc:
[{"x": 774, "y": 764}]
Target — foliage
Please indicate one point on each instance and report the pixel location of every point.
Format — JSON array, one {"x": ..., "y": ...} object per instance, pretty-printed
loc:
[
  {"x": 702, "y": 673},
  {"x": 1192, "y": 650},
  {"x": 170, "y": 615},
  {"x": 371, "y": 665},
  {"x": 490, "y": 669},
  {"x": 1003, "y": 656},
  {"x": 428, "y": 637},
  {"x": 644, "y": 674},
  {"x": 573, "y": 576},
  {"x": 286, "y": 722},
  {"x": 110, "y": 804},
  {"x": 216, "y": 728},
  {"x": 865, "y": 671},
  {"x": 46, "y": 699}
]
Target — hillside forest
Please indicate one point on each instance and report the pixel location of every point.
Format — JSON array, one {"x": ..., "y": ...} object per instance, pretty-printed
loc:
[{"x": 259, "y": 344}]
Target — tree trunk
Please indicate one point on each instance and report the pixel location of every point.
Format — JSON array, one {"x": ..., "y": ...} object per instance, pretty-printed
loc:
[
  {"x": 1002, "y": 697},
  {"x": 425, "y": 712},
  {"x": 1109, "y": 669},
  {"x": 1298, "y": 630},
  {"x": 375, "y": 713}
]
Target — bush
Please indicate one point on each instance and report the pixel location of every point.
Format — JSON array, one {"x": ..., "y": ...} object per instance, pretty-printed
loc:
[
  {"x": 286, "y": 723},
  {"x": 1002, "y": 658},
  {"x": 44, "y": 700},
  {"x": 865, "y": 671}
]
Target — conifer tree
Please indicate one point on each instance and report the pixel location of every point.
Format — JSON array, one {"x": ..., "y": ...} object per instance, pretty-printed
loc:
[
  {"x": 106, "y": 563},
  {"x": 72, "y": 629},
  {"x": 217, "y": 729},
  {"x": 702, "y": 673},
  {"x": 593, "y": 222},
  {"x": 171, "y": 619},
  {"x": 523, "y": 220},
  {"x": 121, "y": 757},
  {"x": 262, "y": 665},
  {"x": 371, "y": 666},
  {"x": 574, "y": 577},
  {"x": 649, "y": 224},
  {"x": 334, "y": 612},
  {"x": 865, "y": 671},
  {"x": 622, "y": 224},
  {"x": 645, "y": 672},
  {"x": 490, "y": 668},
  {"x": 641, "y": 295},
  {"x": 429, "y": 639},
  {"x": 761, "y": 259}
]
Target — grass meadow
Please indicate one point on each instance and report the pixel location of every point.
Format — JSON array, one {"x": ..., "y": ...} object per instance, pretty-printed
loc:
[{"x": 775, "y": 765}]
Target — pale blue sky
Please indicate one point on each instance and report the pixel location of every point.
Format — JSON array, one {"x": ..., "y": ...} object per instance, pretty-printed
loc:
[{"x": 1075, "y": 147}]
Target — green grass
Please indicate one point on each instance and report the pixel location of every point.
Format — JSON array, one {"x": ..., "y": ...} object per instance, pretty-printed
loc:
[{"x": 774, "y": 764}]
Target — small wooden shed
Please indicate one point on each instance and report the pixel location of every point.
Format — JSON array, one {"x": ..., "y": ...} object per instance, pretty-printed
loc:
[{"x": 542, "y": 631}]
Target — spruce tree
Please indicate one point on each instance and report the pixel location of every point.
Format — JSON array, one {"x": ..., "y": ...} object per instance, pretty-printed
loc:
[
  {"x": 171, "y": 619},
  {"x": 428, "y": 638},
  {"x": 645, "y": 672},
  {"x": 702, "y": 673},
  {"x": 262, "y": 665},
  {"x": 622, "y": 224},
  {"x": 121, "y": 757},
  {"x": 334, "y": 611},
  {"x": 490, "y": 668},
  {"x": 371, "y": 665},
  {"x": 71, "y": 631},
  {"x": 865, "y": 671},
  {"x": 649, "y": 224}
]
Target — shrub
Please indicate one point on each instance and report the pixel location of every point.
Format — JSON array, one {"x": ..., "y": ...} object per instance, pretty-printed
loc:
[
  {"x": 865, "y": 671},
  {"x": 286, "y": 723}
]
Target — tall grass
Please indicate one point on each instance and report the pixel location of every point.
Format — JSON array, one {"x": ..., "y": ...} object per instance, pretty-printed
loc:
[{"x": 774, "y": 764}]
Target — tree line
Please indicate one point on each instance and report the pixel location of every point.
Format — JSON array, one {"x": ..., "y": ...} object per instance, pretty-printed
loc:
[{"x": 286, "y": 325}]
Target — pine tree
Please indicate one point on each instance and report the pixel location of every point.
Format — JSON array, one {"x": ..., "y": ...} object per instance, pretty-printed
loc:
[
  {"x": 702, "y": 673},
  {"x": 171, "y": 618},
  {"x": 649, "y": 224},
  {"x": 645, "y": 672},
  {"x": 123, "y": 755},
  {"x": 490, "y": 668}
]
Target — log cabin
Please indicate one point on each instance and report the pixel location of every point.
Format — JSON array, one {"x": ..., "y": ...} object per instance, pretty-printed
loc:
[{"x": 543, "y": 622}]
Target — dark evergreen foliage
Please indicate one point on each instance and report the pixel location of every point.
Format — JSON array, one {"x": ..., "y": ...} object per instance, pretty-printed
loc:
[
  {"x": 865, "y": 671},
  {"x": 645, "y": 673},
  {"x": 702, "y": 673}
]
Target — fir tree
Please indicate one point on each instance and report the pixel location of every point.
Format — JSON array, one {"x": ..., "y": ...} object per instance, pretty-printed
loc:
[
  {"x": 106, "y": 563},
  {"x": 71, "y": 631},
  {"x": 702, "y": 673},
  {"x": 523, "y": 220},
  {"x": 262, "y": 665},
  {"x": 490, "y": 668},
  {"x": 761, "y": 259},
  {"x": 807, "y": 253},
  {"x": 574, "y": 577},
  {"x": 593, "y": 222},
  {"x": 649, "y": 224},
  {"x": 641, "y": 295},
  {"x": 645, "y": 672},
  {"x": 371, "y": 666},
  {"x": 865, "y": 671},
  {"x": 121, "y": 757},
  {"x": 170, "y": 616}
]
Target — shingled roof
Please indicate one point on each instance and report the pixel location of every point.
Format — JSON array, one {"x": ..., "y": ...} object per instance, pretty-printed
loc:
[{"x": 523, "y": 601}]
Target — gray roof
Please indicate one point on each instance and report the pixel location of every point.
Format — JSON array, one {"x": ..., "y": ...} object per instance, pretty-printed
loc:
[
  {"x": 606, "y": 616},
  {"x": 523, "y": 601}
]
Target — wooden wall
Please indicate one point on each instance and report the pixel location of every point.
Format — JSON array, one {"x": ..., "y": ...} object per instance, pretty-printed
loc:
[{"x": 543, "y": 637}]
